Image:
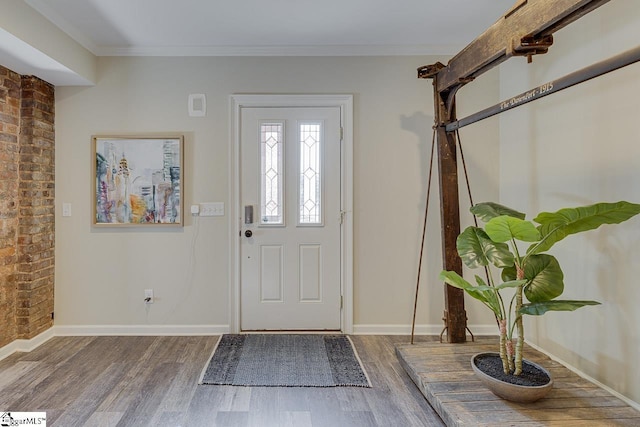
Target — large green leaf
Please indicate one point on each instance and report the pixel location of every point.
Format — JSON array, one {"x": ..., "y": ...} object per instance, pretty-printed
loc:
[
  {"x": 476, "y": 249},
  {"x": 545, "y": 278},
  {"x": 504, "y": 228},
  {"x": 483, "y": 293},
  {"x": 540, "y": 308},
  {"x": 509, "y": 274},
  {"x": 491, "y": 296},
  {"x": 555, "y": 226},
  {"x": 511, "y": 284},
  {"x": 486, "y": 211}
]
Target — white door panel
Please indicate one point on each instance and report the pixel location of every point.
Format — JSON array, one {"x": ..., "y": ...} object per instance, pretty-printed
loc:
[{"x": 290, "y": 176}]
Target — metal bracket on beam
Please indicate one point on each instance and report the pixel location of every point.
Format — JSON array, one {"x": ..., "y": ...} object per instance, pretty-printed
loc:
[
  {"x": 430, "y": 71},
  {"x": 529, "y": 46},
  {"x": 444, "y": 319}
]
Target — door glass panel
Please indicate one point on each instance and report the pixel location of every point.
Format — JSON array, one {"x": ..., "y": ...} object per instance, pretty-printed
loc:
[
  {"x": 310, "y": 197},
  {"x": 272, "y": 173}
]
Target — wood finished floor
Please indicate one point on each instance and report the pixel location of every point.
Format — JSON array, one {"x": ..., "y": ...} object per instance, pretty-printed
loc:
[{"x": 152, "y": 381}]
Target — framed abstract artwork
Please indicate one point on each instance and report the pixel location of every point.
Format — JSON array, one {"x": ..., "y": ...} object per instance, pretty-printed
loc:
[{"x": 138, "y": 180}]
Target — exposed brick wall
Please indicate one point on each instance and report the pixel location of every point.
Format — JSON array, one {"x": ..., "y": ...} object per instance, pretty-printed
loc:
[
  {"x": 27, "y": 212},
  {"x": 10, "y": 83},
  {"x": 37, "y": 211}
]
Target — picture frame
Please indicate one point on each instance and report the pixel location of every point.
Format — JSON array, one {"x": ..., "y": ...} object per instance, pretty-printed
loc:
[{"x": 138, "y": 180}]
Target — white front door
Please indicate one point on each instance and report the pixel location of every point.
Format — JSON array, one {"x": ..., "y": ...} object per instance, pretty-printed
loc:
[{"x": 290, "y": 236}]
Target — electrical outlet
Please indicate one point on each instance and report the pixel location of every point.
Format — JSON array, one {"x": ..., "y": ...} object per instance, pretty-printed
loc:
[
  {"x": 212, "y": 209},
  {"x": 148, "y": 296}
]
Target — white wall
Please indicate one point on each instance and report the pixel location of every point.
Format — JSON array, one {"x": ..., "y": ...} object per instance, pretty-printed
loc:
[
  {"x": 578, "y": 147},
  {"x": 101, "y": 273}
]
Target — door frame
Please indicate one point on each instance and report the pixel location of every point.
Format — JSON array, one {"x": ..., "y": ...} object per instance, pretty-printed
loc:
[{"x": 345, "y": 104}]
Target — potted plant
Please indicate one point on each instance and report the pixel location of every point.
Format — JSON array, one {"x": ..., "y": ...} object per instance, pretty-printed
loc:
[{"x": 529, "y": 274}]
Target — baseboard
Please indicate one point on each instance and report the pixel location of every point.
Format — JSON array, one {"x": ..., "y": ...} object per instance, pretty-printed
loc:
[
  {"x": 20, "y": 346},
  {"x": 140, "y": 330},
  {"x": 419, "y": 330},
  {"x": 632, "y": 403}
]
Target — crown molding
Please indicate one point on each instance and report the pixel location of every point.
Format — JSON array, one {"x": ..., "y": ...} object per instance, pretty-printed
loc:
[{"x": 290, "y": 50}]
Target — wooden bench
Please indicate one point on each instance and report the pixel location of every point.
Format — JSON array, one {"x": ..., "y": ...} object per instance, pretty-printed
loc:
[{"x": 443, "y": 374}]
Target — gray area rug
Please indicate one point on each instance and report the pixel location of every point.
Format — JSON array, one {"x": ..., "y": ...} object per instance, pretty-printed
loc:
[{"x": 290, "y": 360}]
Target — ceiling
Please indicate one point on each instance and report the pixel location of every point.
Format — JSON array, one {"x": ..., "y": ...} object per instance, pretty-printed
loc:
[
  {"x": 242, "y": 28},
  {"x": 272, "y": 27}
]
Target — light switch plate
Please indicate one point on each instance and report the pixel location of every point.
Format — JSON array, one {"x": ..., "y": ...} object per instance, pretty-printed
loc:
[
  {"x": 212, "y": 209},
  {"x": 66, "y": 209}
]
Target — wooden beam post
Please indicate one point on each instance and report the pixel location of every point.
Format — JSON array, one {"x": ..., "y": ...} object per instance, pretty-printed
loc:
[
  {"x": 455, "y": 315},
  {"x": 524, "y": 30}
]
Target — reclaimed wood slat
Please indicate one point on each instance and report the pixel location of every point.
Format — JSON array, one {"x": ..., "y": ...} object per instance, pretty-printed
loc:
[
  {"x": 568, "y": 423},
  {"x": 546, "y": 404},
  {"x": 474, "y": 418}
]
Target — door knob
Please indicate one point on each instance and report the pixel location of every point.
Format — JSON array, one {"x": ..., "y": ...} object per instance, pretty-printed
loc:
[{"x": 248, "y": 233}]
